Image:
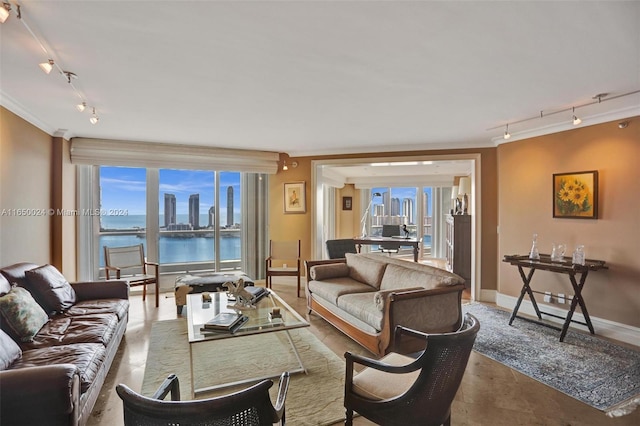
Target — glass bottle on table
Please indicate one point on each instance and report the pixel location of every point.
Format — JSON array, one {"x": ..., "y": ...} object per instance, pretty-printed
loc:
[
  {"x": 578, "y": 255},
  {"x": 534, "y": 254}
]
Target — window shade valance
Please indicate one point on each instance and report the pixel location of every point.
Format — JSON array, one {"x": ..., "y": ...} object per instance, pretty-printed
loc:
[{"x": 105, "y": 152}]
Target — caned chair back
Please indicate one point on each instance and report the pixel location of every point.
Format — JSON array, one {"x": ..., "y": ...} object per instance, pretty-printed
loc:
[
  {"x": 249, "y": 407},
  {"x": 281, "y": 253}
]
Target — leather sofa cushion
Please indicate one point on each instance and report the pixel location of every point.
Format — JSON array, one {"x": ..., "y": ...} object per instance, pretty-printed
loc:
[
  {"x": 5, "y": 286},
  {"x": 15, "y": 273},
  {"x": 332, "y": 270},
  {"x": 22, "y": 316},
  {"x": 365, "y": 270},
  {"x": 331, "y": 289},
  {"x": 50, "y": 288},
  {"x": 66, "y": 330},
  {"x": 120, "y": 307},
  {"x": 87, "y": 357},
  {"x": 9, "y": 351}
]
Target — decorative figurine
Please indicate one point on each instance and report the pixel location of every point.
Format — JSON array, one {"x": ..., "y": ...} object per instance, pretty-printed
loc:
[{"x": 242, "y": 296}]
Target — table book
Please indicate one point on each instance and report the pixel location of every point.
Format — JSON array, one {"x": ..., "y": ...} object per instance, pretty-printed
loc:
[{"x": 225, "y": 321}]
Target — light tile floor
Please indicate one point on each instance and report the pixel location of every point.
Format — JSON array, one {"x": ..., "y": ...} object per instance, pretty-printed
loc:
[{"x": 491, "y": 394}]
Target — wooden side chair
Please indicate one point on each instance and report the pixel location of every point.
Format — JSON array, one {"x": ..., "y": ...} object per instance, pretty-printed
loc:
[
  {"x": 404, "y": 390},
  {"x": 283, "y": 252},
  {"x": 248, "y": 407},
  {"x": 129, "y": 263}
]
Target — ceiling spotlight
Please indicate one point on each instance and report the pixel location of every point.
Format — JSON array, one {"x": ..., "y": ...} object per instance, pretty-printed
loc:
[
  {"x": 284, "y": 165},
  {"x": 47, "y": 66},
  {"x": 81, "y": 107},
  {"x": 623, "y": 124},
  {"x": 507, "y": 135},
  {"x": 94, "y": 117},
  {"x": 576, "y": 120},
  {"x": 4, "y": 12}
]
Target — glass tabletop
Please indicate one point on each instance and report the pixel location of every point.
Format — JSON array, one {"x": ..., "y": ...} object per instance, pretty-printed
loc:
[{"x": 260, "y": 319}]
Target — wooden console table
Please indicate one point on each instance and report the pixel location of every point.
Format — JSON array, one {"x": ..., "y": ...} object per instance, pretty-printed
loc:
[
  {"x": 391, "y": 242},
  {"x": 564, "y": 267}
]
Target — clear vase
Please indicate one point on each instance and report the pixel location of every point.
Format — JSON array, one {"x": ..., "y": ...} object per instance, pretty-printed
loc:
[
  {"x": 578, "y": 255},
  {"x": 534, "y": 254}
]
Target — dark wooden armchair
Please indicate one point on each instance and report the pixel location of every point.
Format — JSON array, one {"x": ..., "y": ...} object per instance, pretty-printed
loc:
[
  {"x": 403, "y": 390},
  {"x": 248, "y": 407}
]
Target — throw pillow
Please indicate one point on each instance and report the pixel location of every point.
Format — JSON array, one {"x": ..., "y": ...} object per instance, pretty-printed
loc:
[
  {"x": 365, "y": 270},
  {"x": 50, "y": 288},
  {"x": 9, "y": 351},
  {"x": 325, "y": 272},
  {"x": 22, "y": 313}
]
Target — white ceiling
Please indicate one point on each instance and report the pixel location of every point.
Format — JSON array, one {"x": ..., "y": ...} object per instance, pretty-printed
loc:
[{"x": 321, "y": 77}]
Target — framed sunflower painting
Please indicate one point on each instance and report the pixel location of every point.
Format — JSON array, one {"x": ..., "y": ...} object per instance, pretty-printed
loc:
[{"x": 575, "y": 195}]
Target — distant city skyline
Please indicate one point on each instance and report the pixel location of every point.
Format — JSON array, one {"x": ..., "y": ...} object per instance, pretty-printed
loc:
[{"x": 125, "y": 188}]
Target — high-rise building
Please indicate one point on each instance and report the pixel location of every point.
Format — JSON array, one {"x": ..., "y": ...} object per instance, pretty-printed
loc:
[
  {"x": 395, "y": 207},
  {"x": 169, "y": 209},
  {"x": 407, "y": 210},
  {"x": 230, "y": 221},
  {"x": 194, "y": 210},
  {"x": 212, "y": 216}
]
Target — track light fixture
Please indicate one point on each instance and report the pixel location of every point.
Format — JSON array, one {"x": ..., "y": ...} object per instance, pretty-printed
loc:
[
  {"x": 94, "y": 117},
  {"x": 284, "y": 165},
  {"x": 4, "y": 12},
  {"x": 47, "y": 66},
  {"x": 597, "y": 99},
  {"x": 576, "y": 120}
]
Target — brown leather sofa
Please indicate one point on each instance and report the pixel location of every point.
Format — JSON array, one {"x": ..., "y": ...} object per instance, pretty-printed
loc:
[{"x": 54, "y": 376}]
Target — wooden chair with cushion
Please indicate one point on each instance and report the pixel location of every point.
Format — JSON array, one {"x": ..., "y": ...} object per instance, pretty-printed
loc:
[
  {"x": 336, "y": 249},
  {"x": 248, "y": 407},
  {"x": 410, "y": 390},
  {"x": 129, "y": 263},
  {"x": 283, "y": 253}
]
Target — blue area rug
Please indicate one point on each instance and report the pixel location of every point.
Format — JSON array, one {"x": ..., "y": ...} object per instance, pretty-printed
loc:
[{"x": 590, "y": 369}]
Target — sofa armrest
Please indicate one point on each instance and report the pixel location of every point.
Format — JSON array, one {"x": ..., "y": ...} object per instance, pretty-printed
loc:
[
  {"x": 110, "y": 289},
  {"x": 40, "y": 395}
]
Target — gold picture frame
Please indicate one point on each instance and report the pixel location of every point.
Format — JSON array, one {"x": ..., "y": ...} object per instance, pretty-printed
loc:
[
  {"x": 295, "y": 198},
  {"x": 575, "y": 195}
]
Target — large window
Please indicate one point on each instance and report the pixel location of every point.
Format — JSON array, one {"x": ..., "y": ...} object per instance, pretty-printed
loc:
[
  {"x": 404, "y": 206},
  {"x": 196, "y": 224}
]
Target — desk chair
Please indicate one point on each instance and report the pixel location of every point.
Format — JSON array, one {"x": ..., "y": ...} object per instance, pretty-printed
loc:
[
  {"x": 248, "y": 407},
  {"x": 130, "y": 264},
  {"x": 404, "y": 390},
  {"x": 389, "y": 231},
  {"x": 336, "y": 249},
  {"x": 283, "y": 252}
]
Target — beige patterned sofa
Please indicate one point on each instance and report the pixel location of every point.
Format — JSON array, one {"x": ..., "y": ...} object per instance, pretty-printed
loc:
[{"x": 366, "y": 295}]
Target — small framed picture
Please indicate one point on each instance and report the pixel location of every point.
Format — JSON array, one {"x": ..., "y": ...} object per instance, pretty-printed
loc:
[
  {"x": 575, "y": 195},
  {"x": 347, "y": 203},
  {"x": 295, "y": 197}
]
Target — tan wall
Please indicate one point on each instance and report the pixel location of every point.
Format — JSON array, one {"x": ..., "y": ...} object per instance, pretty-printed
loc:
[
  {"x": 288, "y": 226},
  {"x": 64, "y": 201},
  {"x": 525, "y": 206},
  {"x": 25, "y": 183}
]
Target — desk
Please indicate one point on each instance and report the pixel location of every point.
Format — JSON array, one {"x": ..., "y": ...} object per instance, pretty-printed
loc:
[
  {"x": 564, "y": 267},
  {"x": 391, "y": 242}
]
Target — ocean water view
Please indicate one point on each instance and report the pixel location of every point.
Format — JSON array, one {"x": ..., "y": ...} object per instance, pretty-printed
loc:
[{"x": 192, "y": 248}]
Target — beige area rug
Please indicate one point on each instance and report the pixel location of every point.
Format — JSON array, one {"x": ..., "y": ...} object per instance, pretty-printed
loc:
[{"x": 314, "y": 398}]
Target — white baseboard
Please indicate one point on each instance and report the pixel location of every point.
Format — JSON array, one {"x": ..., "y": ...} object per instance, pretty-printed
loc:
[{"x": 606, "y": 328}]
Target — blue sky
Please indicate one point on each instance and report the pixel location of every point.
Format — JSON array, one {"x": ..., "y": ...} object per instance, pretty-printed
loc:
[{"x": 125, "y": 188}]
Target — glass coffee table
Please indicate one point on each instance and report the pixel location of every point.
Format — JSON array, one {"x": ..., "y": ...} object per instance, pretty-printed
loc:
[{"x": 261, "y": 319}]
